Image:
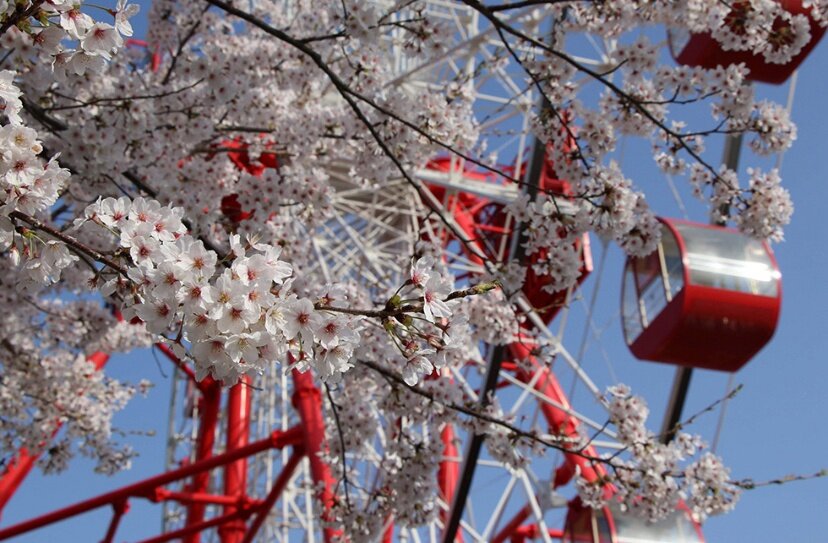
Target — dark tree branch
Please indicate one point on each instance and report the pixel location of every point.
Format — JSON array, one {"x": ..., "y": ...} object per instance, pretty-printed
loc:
[{"x": 68, "y": 240}]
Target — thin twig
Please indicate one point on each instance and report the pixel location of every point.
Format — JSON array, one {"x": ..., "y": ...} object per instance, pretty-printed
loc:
[
  {"x": 345, "y": 481},
  {"x": 68, "y": 240}
]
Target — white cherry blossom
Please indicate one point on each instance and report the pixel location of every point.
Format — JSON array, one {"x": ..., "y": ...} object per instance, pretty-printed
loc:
[{"x": 211, "y": 165}]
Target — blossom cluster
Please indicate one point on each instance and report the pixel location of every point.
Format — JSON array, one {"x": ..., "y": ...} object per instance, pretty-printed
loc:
[
  {"x": 28, "y": 185},
  {"x": 655, "y": 477},
  {"x": 69, "y": 39},
  {"x": 50, "y": 386},
  {"x": 53, "y": 391},
  {"x": 237, "y": 316},
  {"x": 27, "y": 182},
  {"x": 580, "y": 138},
  {"x": 235, "y": 321},
  {"x": 609, "y": 206},
  {"x": 441, "y": 338},
  {"x": 764, "y": 27},
  {"x": 493, "y": 321}
]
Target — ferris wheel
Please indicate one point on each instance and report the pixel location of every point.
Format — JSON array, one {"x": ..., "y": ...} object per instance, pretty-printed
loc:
[{"x": 252, "y": 463}]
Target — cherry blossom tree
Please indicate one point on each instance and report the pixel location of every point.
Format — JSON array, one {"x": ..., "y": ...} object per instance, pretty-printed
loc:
[{"x": 171, "y": 194}]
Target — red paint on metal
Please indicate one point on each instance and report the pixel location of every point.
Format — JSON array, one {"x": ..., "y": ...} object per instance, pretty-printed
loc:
[
  {"x": 235, "y": 473},
  {"x": 200, "y": 527},
  {"x": 19, "y": 468},
  {"x": 480, "y": 218},
  {"x": 238, "y": 507},
  {"x": 532, "y": 531},
  {"x": 155, "y": 60},
  {"x": 708, "y": 327},
  {"x": 388, "y": 534},
  {"x": 187, "y": 370},
  {"x": 210, "y": 405},
  {"x": 307, "y": 401},
  {"x": 146, "y": 488},
  {"x": 163, "y": 494},
  {"x": 704, "y": 51},
  {"x": 232, "y": 209},
  {"x": 14, "y": 474},
  {"x": 559, "y": 420},
  {"x": 449, "y": 471},
  {"x": 582, "y": 521},
  {"x": 564, "y": 473},
  {"x": 512, "y": 525},
  {"x": 548, "y": 305},
  {"x": 119, "y": 509}
]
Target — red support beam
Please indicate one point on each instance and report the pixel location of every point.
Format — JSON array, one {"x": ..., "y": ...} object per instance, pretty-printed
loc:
[
  {"x": 235, "y": 473},
  {"x": 559, "y": 420},
  {"x": 449, "y": 472},
  {"x": 162, "y": 495},
  {"x": 119, "y": 509},
  {"x": 532, "y": 531},
  {"x": 200, "y": 527},
  {"x": 14, "y": 474},
  {"x": 210, "y": 405},
  {"x": 307, "y": 401},
  {"x": 275, "y": 492},
  {"x": 388, "y": 534},
  {"x": 513, "y": 525},
  {"x": 146, "y": 488},
  {"x": 564, "y": 473}
]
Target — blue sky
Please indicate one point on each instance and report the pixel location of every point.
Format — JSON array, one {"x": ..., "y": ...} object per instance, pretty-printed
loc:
[{"x": 776, "y": 425}]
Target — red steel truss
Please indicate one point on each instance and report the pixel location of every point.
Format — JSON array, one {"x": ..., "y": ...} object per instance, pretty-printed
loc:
[{"x": 237, "y": 506}]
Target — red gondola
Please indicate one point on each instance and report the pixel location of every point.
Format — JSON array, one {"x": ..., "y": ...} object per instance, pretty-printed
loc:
[
  {"x": 708, "y": 297},
  {"x": 610, "y": 525},
  {"x": 702, "y": 50}
]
